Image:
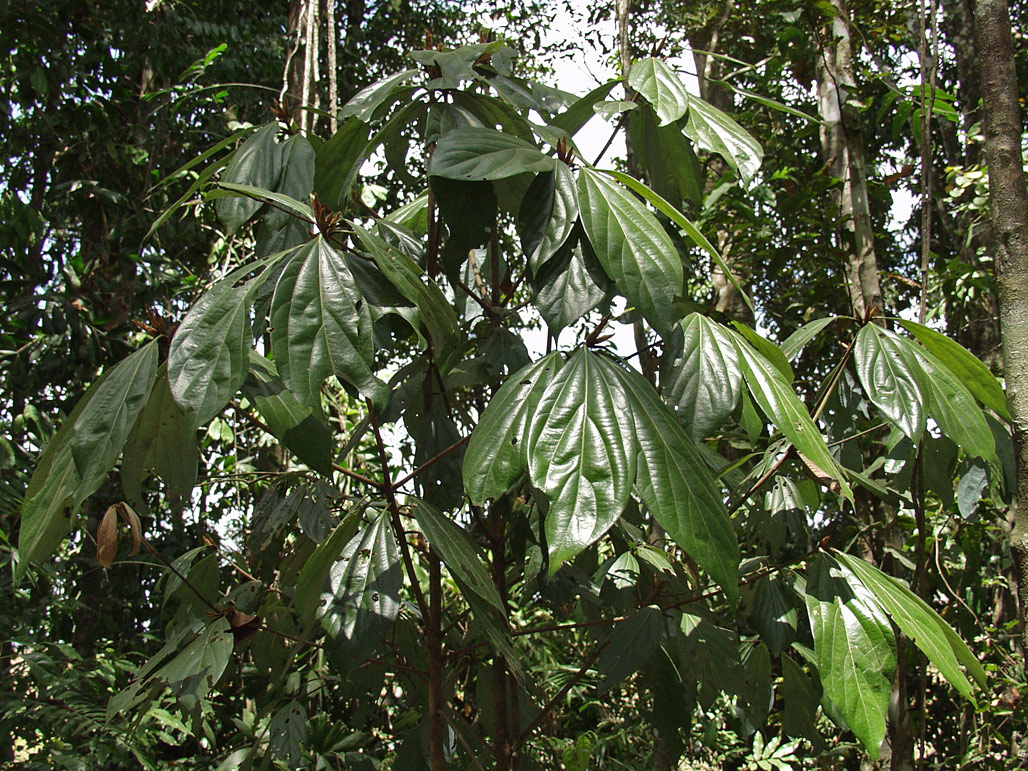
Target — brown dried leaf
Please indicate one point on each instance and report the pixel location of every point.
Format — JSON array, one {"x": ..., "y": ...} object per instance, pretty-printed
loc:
[
  {"x": 107, "y": 537},
  {"x": 132, "y": 520},
  {"x": 818, "y": 474}
]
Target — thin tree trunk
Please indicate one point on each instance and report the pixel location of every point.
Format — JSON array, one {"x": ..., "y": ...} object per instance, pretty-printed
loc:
[
  {"x": 1008, "y": 196},
  {"x": 843, "y": 147}
]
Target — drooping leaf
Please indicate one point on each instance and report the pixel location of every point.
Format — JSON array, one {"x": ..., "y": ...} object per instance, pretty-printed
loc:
[
  {"x": 780, "y": 403},
  {"x": 296, "y": 182},
  {"x": 321, "y": 326},
  {"x": 497, "y": 452},
  {"x": 293, "y": 423},
  {"x": 964, "y": 365},
  {"x": 285, "y": 204},
  {"x": 890, "y": 379},
  {"x": 969, "y": 490},
  {"x": 162, "y": 439},
  {"x": 671, "y": 165},
  {"x": 311, "y": 580},
  {"x": 774, "y": 614},
  {"x": 565, "y": 287},
  {"x": 662, "y": 88},
  {"x": 675, "y": 484},
  {"x": 484, "y": 153},
  {"x": 582, "y": 454},
  {"x": 548, "y": 215},
  {"x": 363, "y": 595},
  {"x": 257, "y": 163},
  {"x": 365, "y": 102},
  {"x": 338, "y": 162},
  {"x": 702, "y": 377},
  {"x": 799, "y": 339},
  {"x": 633, "y": 248},
  {"x": 801, "y": 701},
  {"x": 921, "y": 624},
  {"x": 632, "y": 643},
  {"x": 287, "y": 733},
  {"x": 716, "y": 132},
  {"x": 855, "y": 649}
]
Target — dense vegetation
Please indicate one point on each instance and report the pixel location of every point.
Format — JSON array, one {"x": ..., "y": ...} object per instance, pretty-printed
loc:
[{"x": 321, "y": 445}]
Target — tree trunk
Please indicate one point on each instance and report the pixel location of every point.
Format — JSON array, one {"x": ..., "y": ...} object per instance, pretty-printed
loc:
[
  {"x": 843, "y": 148},
  {"x": 1008, "y": 196}
]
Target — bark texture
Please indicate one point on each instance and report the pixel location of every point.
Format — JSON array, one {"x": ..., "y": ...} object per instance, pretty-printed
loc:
[
  {"x": 843, "y": 148},
  {"x": 1008, "y": 195}
]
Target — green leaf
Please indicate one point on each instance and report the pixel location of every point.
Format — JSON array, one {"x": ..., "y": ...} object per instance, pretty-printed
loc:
[
  {"x": 566, "y": 288},
  {"x": 293, "y": 423},
  {"x": 633, "y": 248},
  {"x": 321, "y": 326},
  {"x": 801, "y": 700},
  {"x": 964, "y": 365},
  {"x": 548, "y": 215},
  {"x": 582, "y": 454},
  {"x": 780, "y": 403},
  {"x": 675, "y": 483},
  {"x": 458, "y": 552},
  {"x": 579, "y": 113},
  {"x": 632, "y": 642},
  {"x": 311, "y": 581},
  {"x": 405, "y": 274},
  {"x": 612, "y": 109},
  {"x": 338, "y": 162},
  {"x": 362, "y": 598},
  {"x": 257, "y": 163},
  {"x": 774, "y": 614},
  {"x": 296, "y": 182},
  {"x": 162, "y": 439},
  {"x": 662, "y": 88},
  {"x": 671, "y": 166},
  {"x": 484, "y": 153},
  {"x": 230, "y": 190},
  {"x": 768, "y": 350},
  {"x": 287, "y": 734},
  {"x": 497, "y": 454},
  {"x": 714, "y": 131},
  {"x": 855, "y": 649},
  {"x": 799, "y": 339},
  {"x": 365, "y": 102},
  {"x": 702, "y": 377},
  {"x": 922, "y": 624},
  {"x": 890, "y": 379},
  {"x": 210, "y": 353},
  {"x": 683, "y": 222}
]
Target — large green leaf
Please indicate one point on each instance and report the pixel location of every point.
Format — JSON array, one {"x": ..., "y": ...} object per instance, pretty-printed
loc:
[
  {"x": 497, "y": 454},
  {"x": 484, "y": 153},
  {"x": 296, "y": 182},
  {"x": 780, "y": 403},
  {"x": 362, "y": 599},
  {"x": 631, "y": 644},
  {"x": 702, "y": 377},
  {"x": 210, "y": 353},
  {"x": 311, "y": 581},
  {"x": 667, "y": 156},
  {"x": 633, "y": 248},
  {"x": 548, "y": 215},
  {"x": 566, "y": 288},
  {"x": 855, "y": 649},
  {"x": 965, "y": 365},
  {"x": 662, "y": 88},
  {"x": 921, "y": 624},
  {"x": 258, "y": 163},
  {"x": 676, "y": 485},
  {"x": 322, "y": 327},
  {"x": 799, "y": 339},
  {"x": 161, "y": 439},
  {"x": 405, "y": 274},
  {"x": 890, "y": 379},
  {"x": 712, "y": 130},
  {"x": 458, "y": 552},
  {"x": 579, "y": 113},
  {"x": 365, "y": 102},
  {"x": 338, "y": 162},
  {"x": 284, "y": 203},
  {"x": 582, "y": 453},
  {"x": 293, "y": 423}
]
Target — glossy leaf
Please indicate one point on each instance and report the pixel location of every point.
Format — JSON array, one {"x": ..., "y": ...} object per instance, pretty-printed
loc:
[
  {"x": 582, "y": 454},
  {"x": 566, "y": 288},
  {"x": 799, "y": 339},
  {"x": 283, "y": 202},
  {"x": 633, "y": 248},
  {"x": 257, "y": 163},
  {"x": 497, "y": 452},
  {"x": 632, "y": 643},
  {"x": 855, "y": 649},
  {"x": 964, "y": 365},
  {"x": 579, "y": 113},
  {"x": 702, "y": 377},
  {"x": 321, "y": 326},
  {"x": 890, "y": 379},
  {"x": 662, "y": 88},
  {"x": 780, "y": 403},
  {"x": 338, "y": 162},
  {"x": 311, "y": 580},
  {"x": 715, "y": 131},
  {"x": 295, "y": 424},
  {"x": 922, "y": 624},
  {"x": 548, "y": 215},
  {"x": 676, "y": 485},
  {"x": 484, "y": 154},
  {"x": 365, "y": 102},
  {"x": 362, "y": 598},
  {"x": 671, "y": 165}
]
